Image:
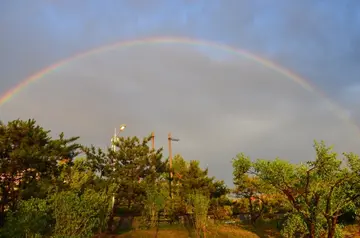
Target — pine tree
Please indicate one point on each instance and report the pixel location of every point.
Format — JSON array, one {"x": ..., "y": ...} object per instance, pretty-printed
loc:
[{"x": 28, "y": 154}]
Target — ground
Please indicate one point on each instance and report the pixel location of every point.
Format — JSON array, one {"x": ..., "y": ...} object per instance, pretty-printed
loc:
[
  {"x": 262, "y": 230},
  {"x": 216, "y": 231},
  {"x": 352, "y": 231},
  {"x": 221, "y": 232}
]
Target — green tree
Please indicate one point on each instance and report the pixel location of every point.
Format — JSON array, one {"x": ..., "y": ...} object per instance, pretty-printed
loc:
[
  {"x": 250, "y": 187},
  {"x": 134, "y": 162},
  {"x": 194, "y": 179},
  {"x": 32, "y": 218},
  {"x": 80, "y": 206},
  {"x": 131, "y": 168},
  {"x": 317, "y": 190},
  {"x": 199, "y": 204},
  {"x": 219, "y": 202},
  {"x": 154, "y": 204},
  {"x": 28, "y": 154},
  {"x": 79, "y": 215}
]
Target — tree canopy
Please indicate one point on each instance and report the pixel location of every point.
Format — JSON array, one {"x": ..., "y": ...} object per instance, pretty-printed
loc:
[{"x": 56, "y": 187}]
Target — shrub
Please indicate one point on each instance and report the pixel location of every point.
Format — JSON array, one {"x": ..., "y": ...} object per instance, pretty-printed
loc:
[{"x": 31, "y": 219}]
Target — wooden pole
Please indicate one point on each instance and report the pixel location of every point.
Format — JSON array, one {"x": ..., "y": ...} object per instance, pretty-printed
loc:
[
  {"x": 170, "y": 155},
  {"x": 153, "y": 140},
  {"x": 170, "y": 163}
]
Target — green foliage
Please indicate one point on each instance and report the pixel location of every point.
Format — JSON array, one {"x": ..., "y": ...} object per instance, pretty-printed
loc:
[
  {"x": 79, "y": 215},
  {"x": 251, "y": 188},
  {"x": 28, "y": 154},
  {"x": 45, "y": 192},
  {"x": 241, "y": 166},
  {"x": 155, "y": 202},
  {"x": 219, "y": 189},
  {"x": 190, "y": 177},
  {"x": 199, "y": 205},
  {"x": 31, "y": 219},
  {"x": 318, "y": 190},
  {"x": 293, "y": 225},
  {"x": 133, "y": 162}
]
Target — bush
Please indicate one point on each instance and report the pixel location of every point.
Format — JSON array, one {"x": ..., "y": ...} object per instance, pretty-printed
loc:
[
  {"x": 80, "y": 215},
  {"x": 200, "y": 206},
  {"x": 31, "y": 219}
]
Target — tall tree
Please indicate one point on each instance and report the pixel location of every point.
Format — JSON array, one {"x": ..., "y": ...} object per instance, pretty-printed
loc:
[
  {"x": 134, "y": 162},
  {"x": 132, "y": 168},
  {"x": 27, "y": 154}
]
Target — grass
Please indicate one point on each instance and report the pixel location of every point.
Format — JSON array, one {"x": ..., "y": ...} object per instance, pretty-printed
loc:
[
  {"x": 179, "y": 231},
  {"x": 351, "y": 231},
  {"x": 263, "y": 229}
]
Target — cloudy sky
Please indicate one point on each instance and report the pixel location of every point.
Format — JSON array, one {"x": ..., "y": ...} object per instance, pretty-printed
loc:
[{"x": 217, "y": 104}]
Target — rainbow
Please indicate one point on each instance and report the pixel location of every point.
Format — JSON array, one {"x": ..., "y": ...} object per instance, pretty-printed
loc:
[{"x": 187, "y": 41}]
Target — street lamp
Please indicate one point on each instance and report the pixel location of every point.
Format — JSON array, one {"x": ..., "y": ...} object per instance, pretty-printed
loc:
[
  {"x": 122, "y": 127},
  {"x": 115, "y": 139}
]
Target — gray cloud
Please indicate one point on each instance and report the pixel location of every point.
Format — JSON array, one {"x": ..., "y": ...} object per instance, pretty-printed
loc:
[
  {"x": 318, "y": 39},
  {"x": 217, "y": 108}
]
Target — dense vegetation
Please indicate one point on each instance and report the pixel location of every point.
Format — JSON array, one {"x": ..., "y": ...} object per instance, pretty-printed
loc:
[{"x": 59, "y": 188}]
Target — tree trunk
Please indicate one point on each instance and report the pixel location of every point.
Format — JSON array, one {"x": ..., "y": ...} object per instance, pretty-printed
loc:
[
  {"x": 251, "y": 209},
  {"x": 157, "y": 224},
  {"x": 3, "y": 202},
  {"x": 2, "y": 215},
  {"x": 111, "y": 220},
  {"x": 311, "y": 229},
  {"x": 332, "y": 226}
]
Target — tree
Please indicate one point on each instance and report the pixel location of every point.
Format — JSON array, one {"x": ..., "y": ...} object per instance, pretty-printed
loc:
[
  {"x": 154, "y": 204},
  {"x": 79, "y": 215},
  {"x": 195, "y": 179},
  {"x": 189, "y": 178},
  {"x": 199, "y": 204},
  {"x": 317, "y": 190},
  {"x": 219, "y": 203},
  {"x": 251, "y": 188},
  {"x": 27, "y": 154},
  {"x": 134, "y": 162},
  {"x": 32, "y": 218},
  {"x": 131, "y": 168}
]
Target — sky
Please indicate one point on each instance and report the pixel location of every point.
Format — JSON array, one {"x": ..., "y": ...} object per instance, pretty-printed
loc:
[{"x": 217, "y": 104}]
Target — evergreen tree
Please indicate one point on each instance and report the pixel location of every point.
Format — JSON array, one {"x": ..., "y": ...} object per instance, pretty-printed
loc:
[{"x": 28, "y": 154}]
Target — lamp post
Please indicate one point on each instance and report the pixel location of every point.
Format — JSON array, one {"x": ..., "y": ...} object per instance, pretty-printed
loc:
[
  {"x": 115, "y": 139},
  {"x": 170, "y": 139}
]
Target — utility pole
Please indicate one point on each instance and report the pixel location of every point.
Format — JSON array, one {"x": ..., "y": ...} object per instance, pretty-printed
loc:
[
  {"x": 153, "y": 140},
  {"x": 170, "y": 139},
  {"x": 170, "y": 155}
]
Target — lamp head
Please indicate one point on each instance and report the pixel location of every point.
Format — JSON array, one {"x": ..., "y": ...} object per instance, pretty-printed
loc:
[{"x": 122, "y": 127}]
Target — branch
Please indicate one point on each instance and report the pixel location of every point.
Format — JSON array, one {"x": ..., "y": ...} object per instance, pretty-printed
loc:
[
  {"x": 339, "y": 207},
  {"x": 328, "y": 200},
  {"x": 306, "y": 192}
]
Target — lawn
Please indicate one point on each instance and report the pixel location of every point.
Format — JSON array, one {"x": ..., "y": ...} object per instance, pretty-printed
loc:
[
  {"x": 215, "y": 231},
  {"x": 261, "y": 230},
  {"x": 352, "y": 231},
  {"x": 221, "y": 232}
]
